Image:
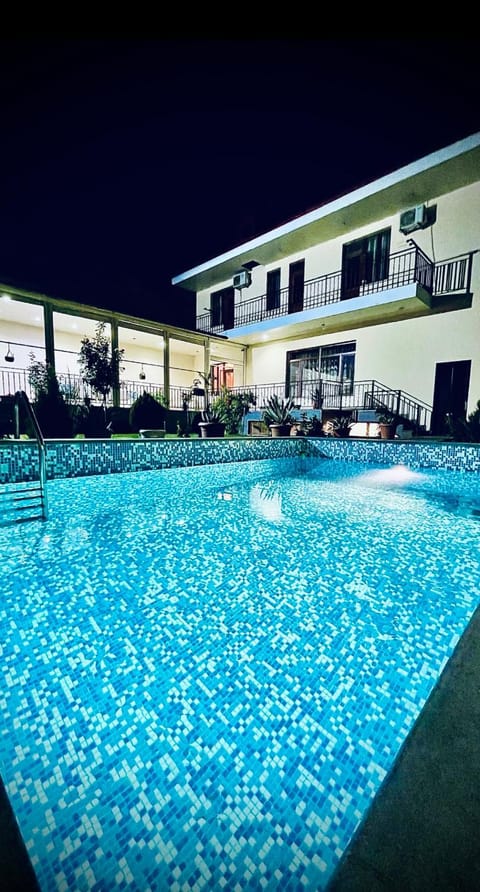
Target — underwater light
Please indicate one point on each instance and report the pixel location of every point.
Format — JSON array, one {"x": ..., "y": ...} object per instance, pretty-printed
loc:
[{"x": 396, "y": 474}]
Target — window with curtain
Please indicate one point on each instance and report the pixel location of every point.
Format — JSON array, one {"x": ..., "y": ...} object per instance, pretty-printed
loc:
[
  {"x": 337, "y": 364},
  {"x": 302, "y": 376},
  {"x": 365, "y": 261}
]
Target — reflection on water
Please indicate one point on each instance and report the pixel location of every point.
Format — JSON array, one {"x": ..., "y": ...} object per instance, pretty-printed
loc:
[{"x": 266, "y": 500}]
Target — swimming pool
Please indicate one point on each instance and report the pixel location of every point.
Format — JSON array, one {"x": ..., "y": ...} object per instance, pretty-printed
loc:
[{"x": 209, "y": 671}]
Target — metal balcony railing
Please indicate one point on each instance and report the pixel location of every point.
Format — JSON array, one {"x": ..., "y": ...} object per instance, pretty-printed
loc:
[
  {"x": 405, "y": 267},
  {"x": 75, "y": 390},
  {"x": 345, "y": 397},
  {"x": 329, "y": 395}
]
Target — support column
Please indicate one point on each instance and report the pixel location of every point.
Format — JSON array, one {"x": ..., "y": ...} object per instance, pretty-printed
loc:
[
  {"x": 114, "y": 343},
  {"x": 166, "y": 366},
  {"x": 49, "y": 336}
]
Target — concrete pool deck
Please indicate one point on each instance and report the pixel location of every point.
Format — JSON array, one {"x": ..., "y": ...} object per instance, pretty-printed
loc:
[{"x": 422, "y": 832}]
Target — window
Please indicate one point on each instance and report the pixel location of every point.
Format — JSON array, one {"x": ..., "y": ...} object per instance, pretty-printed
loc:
[
  {"x": 222, "y": 308},
  {"x": 273, "y": 289},
  {"x": 365, "y": 261},
  {"x": 216, "y": 308},
  {"x": 302, "y": 374},
  {"x": 337, "y": 364},
  {"x": 221, "y": 376}
]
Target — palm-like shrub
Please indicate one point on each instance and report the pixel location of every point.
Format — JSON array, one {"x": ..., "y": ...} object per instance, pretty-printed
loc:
[{"x": 278, "y": 411}]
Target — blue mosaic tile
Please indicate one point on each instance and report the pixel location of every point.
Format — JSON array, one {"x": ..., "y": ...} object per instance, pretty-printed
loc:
[
  {"x": 78, "y": 458},
  {"x": 209, "y": 671}
]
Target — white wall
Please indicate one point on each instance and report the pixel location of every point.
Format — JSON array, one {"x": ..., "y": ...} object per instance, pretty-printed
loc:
[
  {"x": 401, "y": 354},
  {"x": 23, "y": 339}
]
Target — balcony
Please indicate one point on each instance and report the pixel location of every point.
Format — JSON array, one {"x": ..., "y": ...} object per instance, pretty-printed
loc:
[{"x": 414, "y": 286}]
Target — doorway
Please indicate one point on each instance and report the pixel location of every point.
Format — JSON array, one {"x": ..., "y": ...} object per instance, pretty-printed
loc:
[
  {"x": 450, "y": 394},
  {"x": 296, "y": 280}
]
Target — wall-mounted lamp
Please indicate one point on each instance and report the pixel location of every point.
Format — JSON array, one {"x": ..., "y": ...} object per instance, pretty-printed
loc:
[
  {"x": 9, "y": 357},
  {"x": 142, "y": 374}
]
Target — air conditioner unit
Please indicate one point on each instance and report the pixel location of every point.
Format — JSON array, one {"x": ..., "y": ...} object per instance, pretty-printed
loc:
[
  {"x": 414, "y": 218},
  {"x": 242, "y": 279}
]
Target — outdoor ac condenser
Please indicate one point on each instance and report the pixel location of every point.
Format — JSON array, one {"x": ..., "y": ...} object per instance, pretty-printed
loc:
[
  {"x": 414, "y": 218},
  {"x": 242, "y": 279}
]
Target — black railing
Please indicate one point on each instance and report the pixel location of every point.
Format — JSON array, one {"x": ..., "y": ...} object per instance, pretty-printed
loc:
[
  {"x": 345, "y": 397},
  {"x": 75, "y": 390},
  {"x": 339, "y": 396},
  {"x": 454, "y": 275},
  {"x": 405, "y": 267}
]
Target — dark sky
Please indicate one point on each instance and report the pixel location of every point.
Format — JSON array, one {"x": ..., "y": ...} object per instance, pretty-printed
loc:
[{"x": 127, "y": 161}]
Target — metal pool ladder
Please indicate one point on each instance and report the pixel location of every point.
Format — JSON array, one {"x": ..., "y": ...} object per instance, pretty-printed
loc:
[{"x": 28, "y": 496}]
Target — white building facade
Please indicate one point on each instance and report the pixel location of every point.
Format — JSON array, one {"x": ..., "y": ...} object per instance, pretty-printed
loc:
[{"x": 371, "y": 300}]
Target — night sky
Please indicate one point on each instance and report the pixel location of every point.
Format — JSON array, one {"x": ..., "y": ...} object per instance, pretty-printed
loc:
[{"x": 125, "y": 162}]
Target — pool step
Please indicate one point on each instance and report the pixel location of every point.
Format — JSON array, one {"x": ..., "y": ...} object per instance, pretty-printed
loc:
[{"x": 21, "y": 502}]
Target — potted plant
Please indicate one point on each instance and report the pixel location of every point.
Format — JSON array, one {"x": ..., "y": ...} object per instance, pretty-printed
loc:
[
  {"x": 339, "y": 426},
  {"x": 231, "y": 408},
  {"x": 277, "y": 415},
  {"x": 308, "y": 426},
  {"x": 387, "y": 422},
  {"x": 54, "y": 415},
  {"x": 100, "y": 366},
  {"x": 147, "y": 416},
  {"x": 211, "y": 424}
]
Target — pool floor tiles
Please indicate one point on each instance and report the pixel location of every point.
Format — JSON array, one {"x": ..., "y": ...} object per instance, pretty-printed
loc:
[{"x": 222, "y": 716}]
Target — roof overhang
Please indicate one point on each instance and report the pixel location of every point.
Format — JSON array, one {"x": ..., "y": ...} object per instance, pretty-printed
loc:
[{"x": 443, "y": 171}]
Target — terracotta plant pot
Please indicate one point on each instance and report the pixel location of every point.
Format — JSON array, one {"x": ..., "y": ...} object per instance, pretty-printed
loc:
[{"x": 387, "y": 431}]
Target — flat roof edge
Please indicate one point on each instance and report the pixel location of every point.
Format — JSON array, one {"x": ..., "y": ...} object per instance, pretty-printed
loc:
[{"x": 432, "y": 160}]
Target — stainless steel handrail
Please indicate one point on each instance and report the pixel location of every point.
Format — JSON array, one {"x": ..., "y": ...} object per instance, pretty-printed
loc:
[{"x": 21, "y": 397}]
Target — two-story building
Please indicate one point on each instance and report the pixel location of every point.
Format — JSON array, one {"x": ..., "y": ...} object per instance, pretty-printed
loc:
[{"x": 369, "y": 302}]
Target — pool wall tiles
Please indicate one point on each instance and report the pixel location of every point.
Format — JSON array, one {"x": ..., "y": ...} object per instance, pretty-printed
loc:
[
  {"x": 424, "y": 454},
  {"x": 81, "y": 458}
]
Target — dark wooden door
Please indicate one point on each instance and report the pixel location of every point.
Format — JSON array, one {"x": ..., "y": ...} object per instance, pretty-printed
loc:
[
  {"x": 228, "y": 308},
  {"x": 296, "y": 282},
  {"x": 450, "y": 393}
]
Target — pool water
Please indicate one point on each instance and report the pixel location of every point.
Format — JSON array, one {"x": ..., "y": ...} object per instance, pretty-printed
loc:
[{"x": 208, "y": 672}]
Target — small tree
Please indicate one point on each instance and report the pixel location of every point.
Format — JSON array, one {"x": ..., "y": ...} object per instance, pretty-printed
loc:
[
  {"x": 100, "y": 363},
  {"x": 54, "y": 415}
]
